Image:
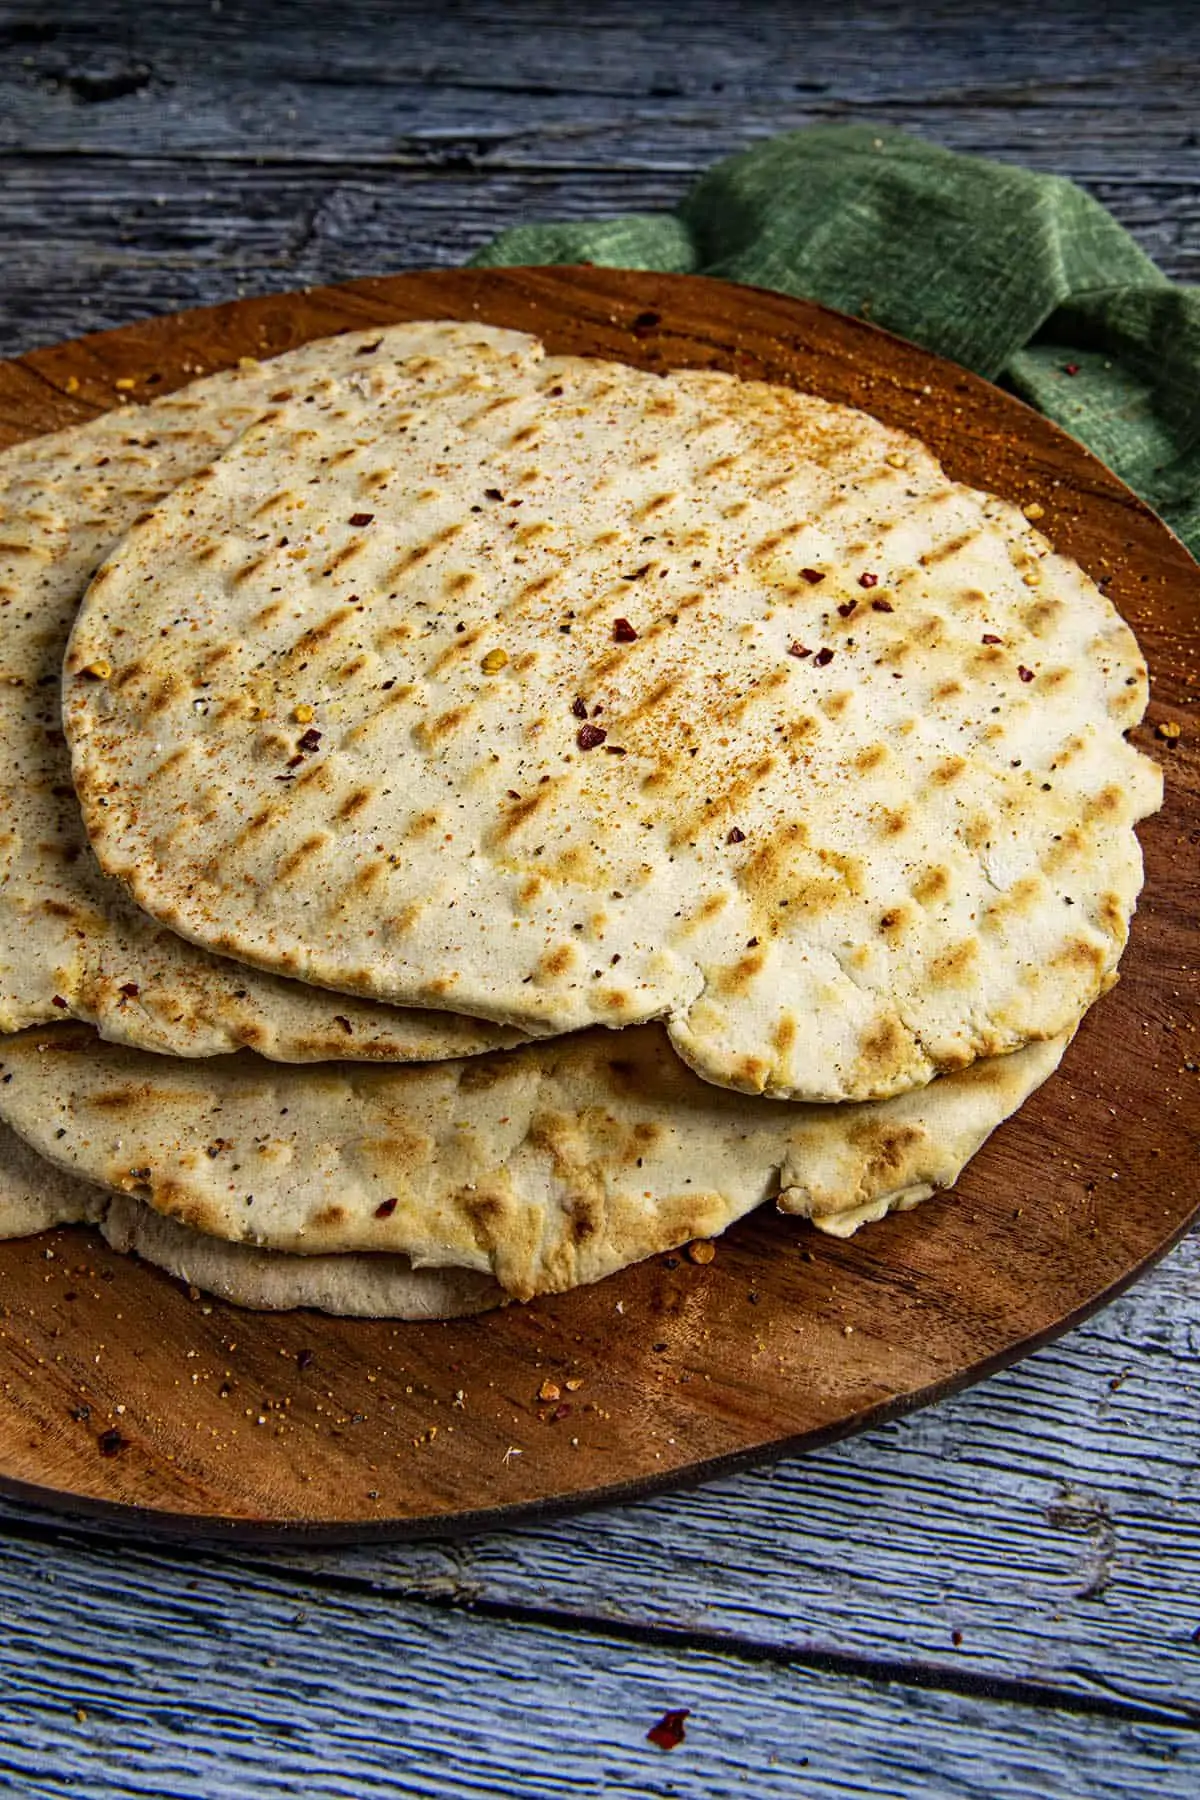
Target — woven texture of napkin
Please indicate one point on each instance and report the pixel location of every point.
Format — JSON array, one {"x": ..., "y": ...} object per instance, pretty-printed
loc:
[{"x": 1022, "y": 277}]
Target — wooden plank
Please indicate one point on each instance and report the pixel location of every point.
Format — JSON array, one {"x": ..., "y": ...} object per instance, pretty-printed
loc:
[
  {"x": 197, "y": 157},
  {"x": 102, "y": 244},
  {"x": 1049, "y": 1518},
  {"x": 209, "y": 1680}
]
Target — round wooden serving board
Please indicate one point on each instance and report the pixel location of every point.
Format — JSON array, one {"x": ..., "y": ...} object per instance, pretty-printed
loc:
[{"x": 118, "y": 1392}]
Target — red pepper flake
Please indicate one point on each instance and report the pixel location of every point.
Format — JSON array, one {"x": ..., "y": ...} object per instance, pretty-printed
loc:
[
  {"x": 1024, "y": 673},
  {"x": 812, "y": 576},
  {"x": 579, "y": 707},
  {"x": 368, "y": 349},
  {"x": 111, "y": 1443},
  {"x": 60, "y": 1003},
  {"x": 589, "y": 737},
  {"x": 989, "y": 637},
  {"x": 882, "y": 606},
  {"x": 736, "y": 836},
  {"x": 492, "y": 494},
  {"x": 623, "y": 632},
  {"x": 386, "y": 1208},
  {"x": 669, "y": 1733},
  {"x": 362, "y": 518},
  {"x": 796, "y": 648},
  {"x": 868, "y": 580},
  {"x": 310, "y": 741},
  {"x": 823, "y": 657},
  {"x": 847, "y": 607},
  {"x": 131, "y": 990},
  {"x": 1070, "y": 368},
  {"x": 615, "y": 750}
]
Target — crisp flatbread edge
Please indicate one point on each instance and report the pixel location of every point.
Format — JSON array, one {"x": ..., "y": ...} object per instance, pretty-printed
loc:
[{"x": 543, "y": 1168}]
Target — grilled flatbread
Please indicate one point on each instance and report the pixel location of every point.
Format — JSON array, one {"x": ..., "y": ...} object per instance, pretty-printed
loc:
[
  {"x": 543, "y": 1167},
  {"x": 35, "y": 1195},
  {"x": 559, "y": 693},
  {"x": 71, "y": 941}
]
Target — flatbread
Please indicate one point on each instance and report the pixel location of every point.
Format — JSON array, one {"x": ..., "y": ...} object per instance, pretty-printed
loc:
[
  {"x": 351, "y": 1287},
  {"x": 545, "y": 1167},
  {"x": 560, "y": 693},
  {"x": 71, "y": 942},
  {"x": 35, "y": 1196}
]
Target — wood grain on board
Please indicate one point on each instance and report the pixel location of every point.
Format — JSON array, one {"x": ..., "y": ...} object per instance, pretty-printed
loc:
[{"x": 322, "y": 1427}]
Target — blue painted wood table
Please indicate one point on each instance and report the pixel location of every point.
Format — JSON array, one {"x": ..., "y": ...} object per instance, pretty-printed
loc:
[{"x": 997, "y": 1597}]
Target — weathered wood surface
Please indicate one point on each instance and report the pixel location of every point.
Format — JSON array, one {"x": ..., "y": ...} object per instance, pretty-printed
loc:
[
  {"x": 149, "y": 159},
  {"x": 157, "y": 158}
]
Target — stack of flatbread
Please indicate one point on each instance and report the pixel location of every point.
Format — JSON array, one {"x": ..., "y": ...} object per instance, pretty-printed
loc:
[{"x": 474, "y": 818}]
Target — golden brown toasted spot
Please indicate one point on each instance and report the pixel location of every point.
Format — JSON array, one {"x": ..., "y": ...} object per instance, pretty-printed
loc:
[
  {"x": 891, "y": 821},
  {"x": 931, "y": 885},
  {"x": 737, "y": 977},
  {"x": 121, "y": 1099},
  {"x": 750, "y": 1073},
  {"x": 421, "y": 553},
  {"x": 254, "y": 825},
  {"x": 559, "y": 961},
  {"x": 300, "y": 855},
  {"x": 870, "y": 758},
  {"x": 170, "y": 762},
  {"x": 948, "y": 770},
  {"x": 482, "y": 1073},
  {"x": 1108, "y": 803},
  {"x": 333, "y": 1214},
  {"x": 761, "y": 873},
  {"x": 163, "y": 693},
  {"x": 320, "y": 634},
  {"x": 454, "y": 649},
  {"x": 346, "y": 554},
  {"x": 368, "y": 877},
  {"x": 1081, "y": 956},
  {"x": 893, "y": 922},
  {"x": 249, "y": 570},
  {"x": 944, "y": 551},
  {"x": 521, "y": 811},
  {"x": 885, "y": 1147},
  {"x": 1111, "y": 914},
  {"x": 429, "y": 733},
  {"x": 955, "y": 964},
  {"x": 354, "y": 802},
  {"x": 421, "y": 824},
  {"x": 883, "y": 1049},
  {"x": 785, "y": 1033}
]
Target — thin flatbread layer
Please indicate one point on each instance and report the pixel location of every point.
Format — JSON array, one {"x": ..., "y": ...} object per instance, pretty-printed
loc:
[
  {"x": 36, "y": 1196},
  {"x": 631, "y": 697},
  {"x": 544, "y": 1167},
  {"x": 71, "y": 941}
]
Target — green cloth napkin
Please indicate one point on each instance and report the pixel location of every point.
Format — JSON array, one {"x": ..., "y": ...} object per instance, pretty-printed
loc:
[{"x": 1022, "y": 277}]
